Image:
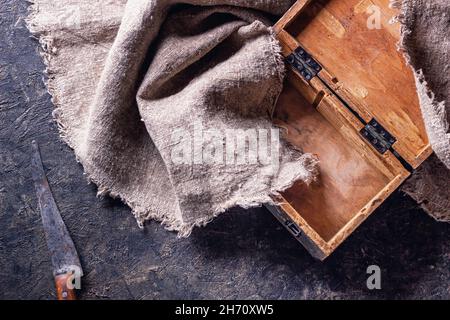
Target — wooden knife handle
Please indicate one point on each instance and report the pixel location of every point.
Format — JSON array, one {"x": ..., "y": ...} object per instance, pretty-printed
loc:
[{"x": 62, "y": 290}]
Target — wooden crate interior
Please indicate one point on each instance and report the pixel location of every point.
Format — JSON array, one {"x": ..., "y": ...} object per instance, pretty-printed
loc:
[
  {"x": 348, "y": 179},
  {"x": 366, "y": 64},
  {"x": 362, "y": 73}
]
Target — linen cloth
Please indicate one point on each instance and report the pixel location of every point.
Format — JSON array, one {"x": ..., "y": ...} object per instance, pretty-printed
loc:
[
  {"x": 142, "y": 88},
  {"x": 425, "y": 28}
]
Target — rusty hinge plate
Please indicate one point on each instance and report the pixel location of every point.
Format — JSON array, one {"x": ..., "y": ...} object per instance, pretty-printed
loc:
[
  {"x": 378, "y": 136},
  {"x": 303, "y": 63}
]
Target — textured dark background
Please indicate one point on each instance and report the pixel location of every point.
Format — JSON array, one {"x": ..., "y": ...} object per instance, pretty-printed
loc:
[{"x": 243, "y": 254}]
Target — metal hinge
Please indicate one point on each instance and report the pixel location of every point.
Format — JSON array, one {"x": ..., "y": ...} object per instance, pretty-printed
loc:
[
  {"x": 287, "y": 222},
  {"x": 303, "y": 63},
  {"x": 292, "y": 227},
  {"x": 378, "y": 136}
]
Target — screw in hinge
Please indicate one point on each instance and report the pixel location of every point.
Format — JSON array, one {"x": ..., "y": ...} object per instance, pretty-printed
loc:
[
  {"x": 379, "y": 137},
  {"x": 304, "y": 63}
]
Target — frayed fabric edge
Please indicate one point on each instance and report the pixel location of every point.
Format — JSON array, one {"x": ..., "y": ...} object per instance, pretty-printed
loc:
[
  {"x": 405, "y": 7},
  {"x": 278, "y": 58},
  {"x": 48, "y": 51},
  {"x": 422, "y": 86},
  {"x": 307, "y": 162}
]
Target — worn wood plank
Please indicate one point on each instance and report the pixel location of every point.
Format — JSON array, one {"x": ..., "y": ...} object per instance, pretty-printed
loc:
[
  {"x": 363, "y": 66},
  {"x": 354, "y": 178}
]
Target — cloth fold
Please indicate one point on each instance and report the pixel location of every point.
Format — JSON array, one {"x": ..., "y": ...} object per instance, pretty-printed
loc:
[
  {"x": 178, "y": 125},
  {"x": 426, "y": 45}
]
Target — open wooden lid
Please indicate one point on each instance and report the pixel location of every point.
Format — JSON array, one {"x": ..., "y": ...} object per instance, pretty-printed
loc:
[{"x": 355, "y": 43}]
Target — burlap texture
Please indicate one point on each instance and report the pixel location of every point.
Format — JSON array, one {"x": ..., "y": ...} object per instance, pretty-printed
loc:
[
  {"x": 126, "y": 77},
  {"x": 426, "y": 46}
]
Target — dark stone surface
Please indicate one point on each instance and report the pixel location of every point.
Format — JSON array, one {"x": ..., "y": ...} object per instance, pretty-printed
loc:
[{"x": 243, "y": 254}]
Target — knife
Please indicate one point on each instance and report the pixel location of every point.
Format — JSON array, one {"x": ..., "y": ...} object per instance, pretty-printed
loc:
[{"x": 65, "y": 261}]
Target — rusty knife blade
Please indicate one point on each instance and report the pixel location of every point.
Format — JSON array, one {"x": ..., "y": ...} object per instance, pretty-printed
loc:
[{"x": 62, "y": 249}]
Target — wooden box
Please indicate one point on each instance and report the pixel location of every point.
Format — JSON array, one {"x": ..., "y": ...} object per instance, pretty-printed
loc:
[{"x": 351, "y": 99}]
